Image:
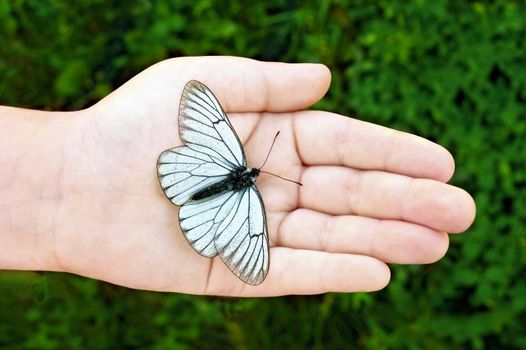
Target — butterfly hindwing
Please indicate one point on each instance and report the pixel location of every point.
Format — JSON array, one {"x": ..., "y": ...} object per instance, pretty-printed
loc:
[
  {"x": 241, "y": 240},
  {"x": 199, "y": 220}
]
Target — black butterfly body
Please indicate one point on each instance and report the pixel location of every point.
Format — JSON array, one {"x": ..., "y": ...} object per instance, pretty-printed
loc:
[{"x": 239, "y": 179}]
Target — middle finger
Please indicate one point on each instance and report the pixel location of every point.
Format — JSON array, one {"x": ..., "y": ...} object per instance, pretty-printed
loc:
[{"x": 377, "y": 194}]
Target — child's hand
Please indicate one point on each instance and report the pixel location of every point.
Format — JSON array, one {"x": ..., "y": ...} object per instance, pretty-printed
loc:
[{"x": 370, "y": 195}]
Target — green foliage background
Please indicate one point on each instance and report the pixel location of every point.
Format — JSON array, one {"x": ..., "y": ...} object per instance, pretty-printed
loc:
[{"x": 451, "y": 71}]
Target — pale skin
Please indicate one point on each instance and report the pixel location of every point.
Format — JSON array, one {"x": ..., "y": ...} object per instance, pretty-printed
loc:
[{"x": 79, "y": 191}]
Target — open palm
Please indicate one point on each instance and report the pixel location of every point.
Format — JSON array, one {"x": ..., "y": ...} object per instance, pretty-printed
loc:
[{"x": 371, "y": 195}]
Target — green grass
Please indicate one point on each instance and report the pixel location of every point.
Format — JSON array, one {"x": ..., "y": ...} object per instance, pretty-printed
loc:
[{"x": 451, "y": 71}]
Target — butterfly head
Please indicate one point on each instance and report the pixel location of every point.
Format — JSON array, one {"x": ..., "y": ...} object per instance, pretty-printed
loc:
[{"x": 253, "y": 172}]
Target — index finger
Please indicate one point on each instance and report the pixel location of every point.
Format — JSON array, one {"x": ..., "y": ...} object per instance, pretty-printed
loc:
[{"x": 325, "y": 138}]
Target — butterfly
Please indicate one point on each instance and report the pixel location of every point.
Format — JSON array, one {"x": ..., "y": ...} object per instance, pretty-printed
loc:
[{"x": 222, "y": 212}]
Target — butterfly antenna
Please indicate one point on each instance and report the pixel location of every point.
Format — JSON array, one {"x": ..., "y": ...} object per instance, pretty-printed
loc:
[
  {"x": 283, "y": 178},
  {"x": 268, "y": 154},
  {"x": 265, "y": 162}
]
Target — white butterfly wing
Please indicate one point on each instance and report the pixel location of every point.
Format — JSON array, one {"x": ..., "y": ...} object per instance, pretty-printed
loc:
[
  {"x": 183, "y": 171},
  {"x": 204, "y": 126},
  {"x": 199, "y": 220},
  {"x": 233, "y": 225},
  {"x": 212, "y": 148},
  {"x": 241, "y": 239}
]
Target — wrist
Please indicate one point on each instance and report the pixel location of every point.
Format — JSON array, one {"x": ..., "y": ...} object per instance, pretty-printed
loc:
[{"x": 32, "y": 163}]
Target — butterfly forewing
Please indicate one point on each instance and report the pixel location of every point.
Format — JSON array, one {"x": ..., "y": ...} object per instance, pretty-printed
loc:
[
  {"x": 231, "y": 223},
  {"x": 181, "y": 172},
  {"x": 203, "y": 122}
]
